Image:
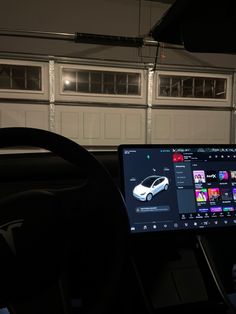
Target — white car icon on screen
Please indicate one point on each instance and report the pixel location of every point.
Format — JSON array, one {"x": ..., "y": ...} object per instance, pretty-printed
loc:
[{"x": 149, "y": 187}]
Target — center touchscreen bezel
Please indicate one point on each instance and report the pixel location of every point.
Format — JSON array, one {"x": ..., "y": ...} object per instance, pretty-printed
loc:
[{"x": 202, "y": 224}]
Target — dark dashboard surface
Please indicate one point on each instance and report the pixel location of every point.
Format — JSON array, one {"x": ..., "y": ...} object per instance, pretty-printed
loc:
[{"x": 22, "y": 171}]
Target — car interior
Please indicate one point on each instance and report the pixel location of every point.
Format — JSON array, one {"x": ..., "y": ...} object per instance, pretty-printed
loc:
[{"x": 136, "y": 228}]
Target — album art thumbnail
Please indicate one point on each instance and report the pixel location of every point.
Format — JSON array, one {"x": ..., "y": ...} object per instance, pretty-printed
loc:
[
  {"x": 199, "y": 176},
  {"x": 226, "y": 194},
  {"x": 211, "y": 176},
  {"x": 234, "y": 194},
  {"x": 233, "y": 175},
  {"x": 201, "y": 195},
  {"x": 223, "y": 176},
  {"x": 178, "y": 157},
  {"x": 214, "y": 194}
]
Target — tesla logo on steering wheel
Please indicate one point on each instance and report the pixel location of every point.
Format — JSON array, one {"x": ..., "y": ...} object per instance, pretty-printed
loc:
[{"x": 6, "y": 231}]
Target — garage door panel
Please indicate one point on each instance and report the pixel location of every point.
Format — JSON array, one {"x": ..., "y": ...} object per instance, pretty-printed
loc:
[{"x": 190, "y": 126}]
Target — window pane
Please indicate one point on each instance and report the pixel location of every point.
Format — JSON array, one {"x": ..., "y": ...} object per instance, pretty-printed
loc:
[
  {"x": 133, "y": 90},
  {"x": 164, "y": 86},
  {"x": 187, "y": 87},
  {"x": 83, "y": 81},
  {"x": 96, "y": 82},
  {"x": 121, "y": 83},
  {"x": 133, "y": 79},
  {"x": 220, "y": 88},
  {"x": 109, "y": 83},
  {"x": 198, "y": 87},
  {"x": 209, "y": 88},
  {"x": 134, "y": 84},
  {"x": 33, "y": 76},
  {"x": 176, "y": 84},
  {"x": 69, "y": 80},
  {"x": 5, "y": 77},
  {"x": 18, "y": 77}
]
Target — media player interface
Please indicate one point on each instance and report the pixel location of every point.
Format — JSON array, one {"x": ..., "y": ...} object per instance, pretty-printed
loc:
[{"x": 168, "y": 188}]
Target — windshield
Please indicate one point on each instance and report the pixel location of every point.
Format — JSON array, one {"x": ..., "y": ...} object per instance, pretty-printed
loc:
[
  {"x": 148, "y": 181},
  {"x": 103, "y": 95}
]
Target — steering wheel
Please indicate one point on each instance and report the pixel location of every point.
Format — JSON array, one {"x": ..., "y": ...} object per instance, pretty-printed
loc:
[{"x": 80, "y": 231}]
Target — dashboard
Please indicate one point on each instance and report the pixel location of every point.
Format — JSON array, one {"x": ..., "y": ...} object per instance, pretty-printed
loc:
[{"x": 164, "y": 261}]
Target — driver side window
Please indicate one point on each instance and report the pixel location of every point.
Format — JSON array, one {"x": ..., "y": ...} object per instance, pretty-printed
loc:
[{"x": 156, "y": 182}]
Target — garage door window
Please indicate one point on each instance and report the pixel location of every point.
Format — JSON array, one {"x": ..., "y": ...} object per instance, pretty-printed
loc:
[
  {"x": 20, "y": 77},
  {"x": 101, "y": 82},
  {"x": 192, "y": 87}
]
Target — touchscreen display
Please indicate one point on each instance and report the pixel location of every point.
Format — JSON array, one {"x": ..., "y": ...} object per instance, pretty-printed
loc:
[{"x": 178, "y": 187}]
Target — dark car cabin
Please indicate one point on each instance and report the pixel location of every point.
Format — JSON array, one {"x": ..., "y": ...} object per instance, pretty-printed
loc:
[{"x": 117, "y": 157}]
